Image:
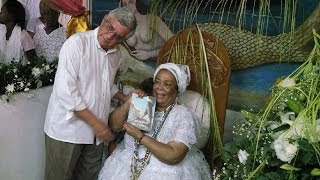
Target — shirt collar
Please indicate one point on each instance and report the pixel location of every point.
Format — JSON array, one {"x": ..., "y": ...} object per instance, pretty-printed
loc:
[{"x": 98, "y": 45}]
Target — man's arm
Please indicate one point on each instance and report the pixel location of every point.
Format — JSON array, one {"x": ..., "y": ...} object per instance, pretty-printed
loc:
[
  {"x": 101, "y": 130},
  {"x": 119, "y": 116}
]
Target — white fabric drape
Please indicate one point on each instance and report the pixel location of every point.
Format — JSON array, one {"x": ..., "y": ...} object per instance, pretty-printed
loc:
[
  {"x": 11, "y": 49},
  {"x": 31, "y": 8},
  {"x": 21, "y": 135}
]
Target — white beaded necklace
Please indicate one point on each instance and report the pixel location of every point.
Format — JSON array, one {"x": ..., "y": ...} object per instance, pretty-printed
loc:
[{"x": 135, "y": 168}]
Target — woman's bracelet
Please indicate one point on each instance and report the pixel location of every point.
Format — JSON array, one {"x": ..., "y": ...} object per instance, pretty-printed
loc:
[{"x": 142, "y": 136}]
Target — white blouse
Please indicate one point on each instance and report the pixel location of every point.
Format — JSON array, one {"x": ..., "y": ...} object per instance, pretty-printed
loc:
[
  {"x": 15, "y": 47},
  {"x": 49, "y": 45}
]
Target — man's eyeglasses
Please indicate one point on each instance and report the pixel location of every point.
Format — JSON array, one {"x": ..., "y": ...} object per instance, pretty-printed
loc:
[{"x": 110, "y": 29}]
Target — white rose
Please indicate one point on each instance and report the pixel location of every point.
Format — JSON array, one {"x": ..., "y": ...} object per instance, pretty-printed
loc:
[
  {"x": 243, "y": 156},
  {"x": 10, "y": 87},
  {"x": 284, "y": 150},
  {"x": 46, "y": 67},
  {"x": 36, "y": 72}
]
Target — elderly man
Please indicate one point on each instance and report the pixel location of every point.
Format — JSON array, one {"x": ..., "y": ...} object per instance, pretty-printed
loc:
[{"x": 76, "y": 119}]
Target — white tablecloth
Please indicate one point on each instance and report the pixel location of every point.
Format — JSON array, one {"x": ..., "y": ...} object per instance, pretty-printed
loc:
[{"x": 22, "y": 151}]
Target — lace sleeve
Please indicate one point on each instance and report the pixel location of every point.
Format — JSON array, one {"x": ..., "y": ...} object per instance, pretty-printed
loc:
[{"x": 184, "y": 127}]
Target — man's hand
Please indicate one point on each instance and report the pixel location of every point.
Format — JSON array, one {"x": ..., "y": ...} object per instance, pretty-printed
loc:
[{"x": 103, "y": 132}]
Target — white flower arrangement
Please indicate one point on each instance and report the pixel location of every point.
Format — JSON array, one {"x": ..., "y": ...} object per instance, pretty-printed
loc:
[
  {"x": 283, "y": 140},
  {"x": 22, "y": 77}
]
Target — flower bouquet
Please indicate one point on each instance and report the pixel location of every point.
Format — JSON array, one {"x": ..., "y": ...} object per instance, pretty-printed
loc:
[
  {"x": 281, "y": 141},
  {"x": 19, "y": 77}
]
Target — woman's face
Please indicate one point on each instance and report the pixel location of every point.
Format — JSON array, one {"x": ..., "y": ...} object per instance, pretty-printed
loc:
[
  {"x": 47, "y": 14},
  {"x": 4, "y": 15},
  {"x": 165, "y": 89}
]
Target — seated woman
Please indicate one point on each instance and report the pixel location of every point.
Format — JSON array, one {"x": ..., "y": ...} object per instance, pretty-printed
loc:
[
  {"x": 49, "y": 36},
  {"x": 15, "y": 42},
  {"x": 169, "y": 150}
]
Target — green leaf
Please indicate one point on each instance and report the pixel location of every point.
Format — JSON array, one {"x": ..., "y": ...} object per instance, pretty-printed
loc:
[
  {"x": 295, "y": 106},
  {"x": 272, "y": 175},
  {"x": 305, "y": 145},
  {"x": 315, "y": 172},
  {"x": 231, "y": 148},
  {"x": 275, "y": 162},
  {"x": 306, "y": 158},
  {"x": 289, "y": 167},
  {"x": 262, "y": 177}
]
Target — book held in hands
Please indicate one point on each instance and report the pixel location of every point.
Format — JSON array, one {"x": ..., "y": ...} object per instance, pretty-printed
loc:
[{"x": 141, "y": 112}]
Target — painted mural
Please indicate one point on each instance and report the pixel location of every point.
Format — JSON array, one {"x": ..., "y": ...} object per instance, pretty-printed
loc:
[{"x": 252, "y": 73}]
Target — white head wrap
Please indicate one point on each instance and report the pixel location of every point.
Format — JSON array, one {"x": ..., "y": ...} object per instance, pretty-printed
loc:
[{"x": 181, "y": 73}]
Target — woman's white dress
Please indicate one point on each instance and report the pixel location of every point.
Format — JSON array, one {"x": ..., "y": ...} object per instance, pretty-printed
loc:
[
  {"x": 15, "y": 47},
  {"x": 49, "y": 45},
  {"x": 180, "y": 126}
]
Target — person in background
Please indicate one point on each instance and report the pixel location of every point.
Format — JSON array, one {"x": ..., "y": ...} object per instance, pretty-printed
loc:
[
  {"x": 49, "y": 35},
  {"x": 77, "y": 116},
  {"x": 15, "y": 42},
  {"x": 150, "y": 35},
  {"x": 169, "y": 150},
  {"x": 32, "y": 14}
]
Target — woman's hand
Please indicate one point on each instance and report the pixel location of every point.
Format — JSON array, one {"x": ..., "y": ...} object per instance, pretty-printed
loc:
[
  {"x": 140, "y": 92},
  {"x": 132, "y": 131}
]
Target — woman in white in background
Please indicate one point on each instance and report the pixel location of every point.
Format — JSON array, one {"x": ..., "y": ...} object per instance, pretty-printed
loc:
[
  {"x": 15, "y": 42},
  {"x": 49, "y": 35}
]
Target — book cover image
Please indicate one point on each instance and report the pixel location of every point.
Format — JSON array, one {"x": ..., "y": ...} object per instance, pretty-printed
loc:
[{"x": 141, "y": 112}]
